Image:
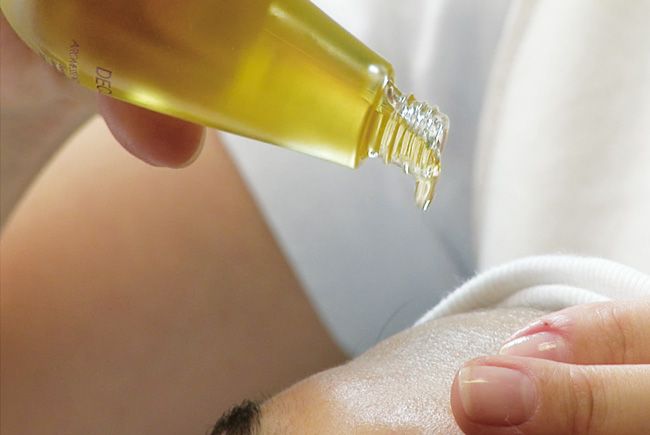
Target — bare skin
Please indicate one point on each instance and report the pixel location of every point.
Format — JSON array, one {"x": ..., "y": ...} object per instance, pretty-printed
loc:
[
  {"x": 401, "y": 386},
  {"x": 110, "y": 268},
  {"x": 143, "y": 300},
  {"x": 588, "y": 366},
  {"x": 36, "y": 99}
]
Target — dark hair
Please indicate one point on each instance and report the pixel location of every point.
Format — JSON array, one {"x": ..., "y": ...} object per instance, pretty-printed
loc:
[{"x": 243, "y": 419}]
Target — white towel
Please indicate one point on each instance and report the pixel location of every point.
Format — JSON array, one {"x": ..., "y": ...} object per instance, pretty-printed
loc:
[{"x": 547, "y": 283}]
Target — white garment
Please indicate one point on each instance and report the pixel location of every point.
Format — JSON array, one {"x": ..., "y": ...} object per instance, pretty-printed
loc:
[
  {"x": 564, "y": 159},
  {"x": 564, "y": 155},
  {"x": 547, "y": 283}
]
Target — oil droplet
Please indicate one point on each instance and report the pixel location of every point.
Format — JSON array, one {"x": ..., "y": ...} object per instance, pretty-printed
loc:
[{"x": 424, "y": 192}]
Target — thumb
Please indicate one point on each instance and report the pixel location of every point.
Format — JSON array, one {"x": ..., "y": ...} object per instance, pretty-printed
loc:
[
  {"x": 514, "y": 395},
  {"x": 153, "y": 137}
]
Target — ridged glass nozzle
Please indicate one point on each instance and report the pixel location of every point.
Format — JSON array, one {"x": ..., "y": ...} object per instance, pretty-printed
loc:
[{"x": 411, "y": 134}]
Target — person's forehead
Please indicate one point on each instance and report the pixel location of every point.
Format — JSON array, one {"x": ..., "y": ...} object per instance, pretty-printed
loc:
[
  {"x": 352, "y": 399},
  {"x": 400, "y": 386},
  {"x": 393, "y": 388}
]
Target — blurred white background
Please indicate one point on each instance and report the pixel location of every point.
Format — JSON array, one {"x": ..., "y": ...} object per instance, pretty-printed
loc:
[{"x": 371, "y": 262}]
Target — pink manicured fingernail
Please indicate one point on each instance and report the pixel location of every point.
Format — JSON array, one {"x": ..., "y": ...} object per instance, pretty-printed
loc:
[
  {"x": 496, "y": 395},
  {"x": 556, "y": 321},
  {"x": 544, "y": 345}
]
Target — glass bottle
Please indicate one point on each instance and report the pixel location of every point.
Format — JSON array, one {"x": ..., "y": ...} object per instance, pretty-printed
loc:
[{"x": 280, "y": 71}]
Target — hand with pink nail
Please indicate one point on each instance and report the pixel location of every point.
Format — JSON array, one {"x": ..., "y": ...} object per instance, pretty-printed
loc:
[{"x": 582, "y": 370}]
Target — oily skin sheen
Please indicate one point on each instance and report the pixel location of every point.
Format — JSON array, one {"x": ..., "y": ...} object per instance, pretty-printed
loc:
[{"x": 402, "y": 385}]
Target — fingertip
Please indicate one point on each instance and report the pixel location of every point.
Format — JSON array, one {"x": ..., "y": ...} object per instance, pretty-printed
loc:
[
  {"x": 543, "y": 345},
  {"x": 457, "y": 407},
  {"x": 610, "y": 332},
  {"x": 492, "y": 396},
  {"x": 463, "y": 421},
  {"x": 157, "y": 139},
  {"x": 198, "y": 150}
]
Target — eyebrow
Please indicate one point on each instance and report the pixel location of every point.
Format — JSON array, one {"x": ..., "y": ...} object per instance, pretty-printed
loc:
[{"x": 242, "y": 419}]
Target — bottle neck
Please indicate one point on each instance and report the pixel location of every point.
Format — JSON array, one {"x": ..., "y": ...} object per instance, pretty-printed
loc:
[{"x": 410, "y": 134}]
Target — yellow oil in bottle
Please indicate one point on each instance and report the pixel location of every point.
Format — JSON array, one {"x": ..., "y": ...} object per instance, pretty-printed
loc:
[{"x": 280, "y": 71}]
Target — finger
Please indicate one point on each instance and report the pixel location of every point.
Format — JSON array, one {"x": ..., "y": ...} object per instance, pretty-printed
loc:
[
  {"x": 513, "y": 395},
  {"x": 155, "y": 138},
  {"x": 603, "y": 333}
]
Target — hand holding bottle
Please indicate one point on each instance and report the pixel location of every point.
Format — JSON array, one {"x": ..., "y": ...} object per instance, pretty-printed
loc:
[
  {"x": 157, "y": 139},
  {"x": 40, "y": 108},
  {"x": 281, "y": 72},
  {"x": 30, "y": 86}
]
